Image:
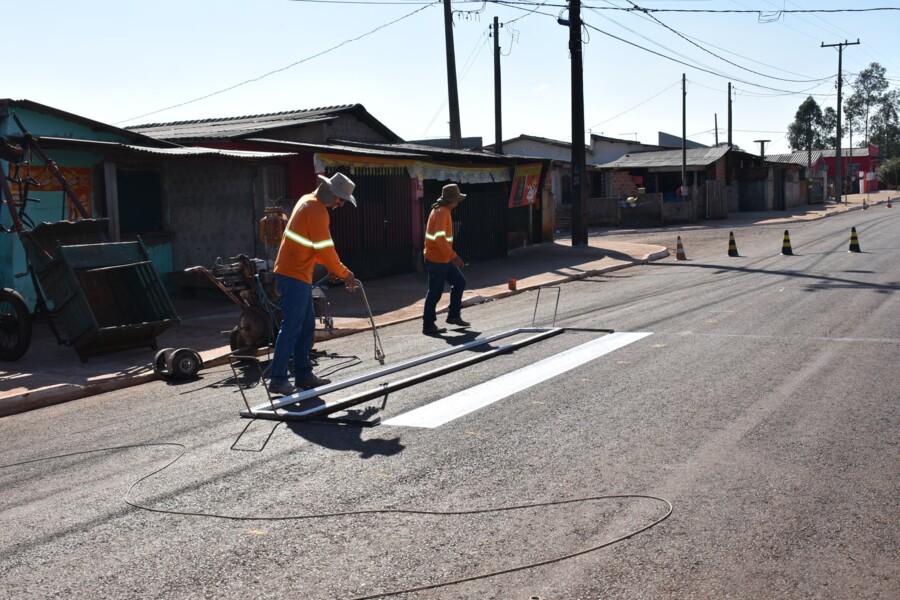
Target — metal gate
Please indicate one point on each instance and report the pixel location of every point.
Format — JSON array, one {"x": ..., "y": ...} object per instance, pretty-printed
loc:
[
  {"x": 375, "y": 238},
  {"x": 751, "y": 196},
  {"x": 716, "y": 200},
  {"x": 480, "y": 223}
]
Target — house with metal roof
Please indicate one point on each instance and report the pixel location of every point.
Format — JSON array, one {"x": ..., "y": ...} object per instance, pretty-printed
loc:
[
  {"x": 139, "y": 185},
  {"x": 813, "y": 172},
  {"x": 558, "y": 185},
  {"x": 396, "y": 181},
  {"x": 859, "y": 166},
  {"x": 719, "y": 179}
]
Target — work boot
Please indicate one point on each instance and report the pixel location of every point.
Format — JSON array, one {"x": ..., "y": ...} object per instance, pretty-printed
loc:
[
  {"x": 432, "y": 329},
  {"x": 313, "y": 382},
  {"x": 458, "y": 321},
  {"x": 281, "y": 389}
]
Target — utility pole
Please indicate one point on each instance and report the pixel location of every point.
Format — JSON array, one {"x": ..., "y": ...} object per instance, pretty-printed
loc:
[
  {"x": 455, "y": 135},
  {"x": 579, "y": 212},
  {"x": 729, "y": 114},
  {"x": 729, "y": 162},
  {"x": 839, "y": 178},
  {"x": 716, "y": 126},
  {"x": 498, "y": 121},
  {"x": 683, "y": 133}
]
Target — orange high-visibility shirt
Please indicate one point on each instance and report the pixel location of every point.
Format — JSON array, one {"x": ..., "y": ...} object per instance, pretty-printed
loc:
[
  {"x": 439, "y": 236},
  {"x": 306, "y": 241}
]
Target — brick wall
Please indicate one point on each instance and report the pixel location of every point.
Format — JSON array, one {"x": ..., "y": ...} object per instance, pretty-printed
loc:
[{"x": 622, "y": 184}]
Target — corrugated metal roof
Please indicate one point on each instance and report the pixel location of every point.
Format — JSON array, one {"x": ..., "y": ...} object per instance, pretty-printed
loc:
[
  {"x": 253, "y": 125},
  {"x": 539, "y": 140},
  {"x": 236, "y": 127},
  {"x": 801, "y": 157},
  {"x": 695, "y": 157},
  {"x": 431, "y": 151},
  {"x": 6, "y": 104},
  {"x": 199, "y": 151},
  {"x": 831, "y": 152},
  {"x": 338, "y": 147},
  {"x": 58, "y": 142}
]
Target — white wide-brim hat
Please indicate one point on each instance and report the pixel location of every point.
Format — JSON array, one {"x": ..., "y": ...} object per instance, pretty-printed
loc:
[{"x": 341, "y": 185}]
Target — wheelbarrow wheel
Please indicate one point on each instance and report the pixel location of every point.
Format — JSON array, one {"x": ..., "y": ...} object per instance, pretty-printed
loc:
[
  {"x": 184, "y": 363},
  {"x": 15, "y": 325}
]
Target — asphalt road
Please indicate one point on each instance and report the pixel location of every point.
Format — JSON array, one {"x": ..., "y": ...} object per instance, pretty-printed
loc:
[{"x": 762, "y": 407}]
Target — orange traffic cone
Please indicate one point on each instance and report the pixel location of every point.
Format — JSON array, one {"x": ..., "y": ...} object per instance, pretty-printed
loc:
[
  {"x": 854, "y": 241},
  {"x": 679, "y": 250},
  {"x": 786, "y": 245},
  {"x": 732, "y": 246}
]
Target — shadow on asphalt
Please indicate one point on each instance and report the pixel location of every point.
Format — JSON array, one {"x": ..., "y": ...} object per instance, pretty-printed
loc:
[
  {"x": 821, "y": 282},
  {"x": 347, "y": 437}
]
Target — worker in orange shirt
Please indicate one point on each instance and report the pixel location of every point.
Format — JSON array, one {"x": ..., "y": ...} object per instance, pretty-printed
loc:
[
  {"x": 442, "y": 263},
  {"x": 306, "y": 241}
]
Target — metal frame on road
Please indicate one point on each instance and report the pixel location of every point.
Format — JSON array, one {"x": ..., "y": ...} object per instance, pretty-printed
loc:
[{"x": 274, "y": 409}]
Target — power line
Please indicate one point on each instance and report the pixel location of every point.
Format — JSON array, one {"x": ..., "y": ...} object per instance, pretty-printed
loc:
[
  {"x": 701, "y": 10},
  {"x": 636, "y": 105},
  {"x": 690, "y": 41},
  {"x": 480, "y": 43},
  {"x": 724, "y": 76},
  {"x": 307, "y": 59},
  {"x": 644, "y": 37},
  {"x": 513, "y": 4}
]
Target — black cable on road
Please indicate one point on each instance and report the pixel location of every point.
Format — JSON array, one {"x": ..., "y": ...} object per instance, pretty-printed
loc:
[{"x": 374, "y": 511}]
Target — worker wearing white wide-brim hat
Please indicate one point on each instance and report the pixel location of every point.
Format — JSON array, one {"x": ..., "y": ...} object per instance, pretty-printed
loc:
[
  {"x": 306, "y": 241},
  {"x": 442, "y": 263}
]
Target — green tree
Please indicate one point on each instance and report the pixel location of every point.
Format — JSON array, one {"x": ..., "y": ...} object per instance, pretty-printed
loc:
[
  {"x": 829, "y": 127},
  {"x": 886, "y": 125},
  {"x": 868, "y": 94},
  {"x": 854, "y": 122},
  {"x": 889, "y": 172},
  {"x": 806, "y": 132}
]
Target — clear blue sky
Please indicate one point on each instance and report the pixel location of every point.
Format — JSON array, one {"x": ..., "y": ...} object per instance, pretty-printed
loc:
[{"x": 128, "y": 62}]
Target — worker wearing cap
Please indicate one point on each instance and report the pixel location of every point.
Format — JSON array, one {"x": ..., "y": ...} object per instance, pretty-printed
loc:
[
  {"x": 442, "y": 263},
  {"x": 306, "y": 241}
]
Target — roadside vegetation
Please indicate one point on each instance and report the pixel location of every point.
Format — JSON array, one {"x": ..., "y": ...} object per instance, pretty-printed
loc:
[{"x": 871, "y": 115}]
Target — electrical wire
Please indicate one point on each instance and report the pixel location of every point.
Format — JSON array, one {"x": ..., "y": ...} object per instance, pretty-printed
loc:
[
  {"x": 724, "y": 76},
  {"x": 381, "y": 511},
  {"x": 730, "y": 62},
  {"x": 667, "y": 57},
  {"x": 480, "y": 44},
  {"x": 636, "y": 105},
  {"x": 285, "y": 68},
  {"x": 701, "y": 10}
]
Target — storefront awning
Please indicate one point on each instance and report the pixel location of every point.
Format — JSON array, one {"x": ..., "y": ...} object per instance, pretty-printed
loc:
[{"x": 418, "y": 169}]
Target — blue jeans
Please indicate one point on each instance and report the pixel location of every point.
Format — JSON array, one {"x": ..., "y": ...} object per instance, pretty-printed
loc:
[
  {"x": 295, "y": 337},
  {"x": 438, "y": 273}
]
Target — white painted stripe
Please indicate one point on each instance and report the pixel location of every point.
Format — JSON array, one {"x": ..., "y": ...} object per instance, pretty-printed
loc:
[{"x": 452, "y": 407}]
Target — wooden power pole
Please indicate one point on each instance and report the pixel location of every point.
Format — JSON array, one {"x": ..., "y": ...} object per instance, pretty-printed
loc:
[
  {"x": 455, "y": 132},
  {"x": 498, "y": 121},
  {"x": 579, "y": 212},
  {"x": 839, "y": 176}
]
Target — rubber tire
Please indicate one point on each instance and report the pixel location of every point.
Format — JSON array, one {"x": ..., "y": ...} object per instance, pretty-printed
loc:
[
  {"x": 184, "y": 363},
  {"x": 160, "y": 361},
  {"x": 15, "y": 325},
  {"x": 234, "y": 339}
]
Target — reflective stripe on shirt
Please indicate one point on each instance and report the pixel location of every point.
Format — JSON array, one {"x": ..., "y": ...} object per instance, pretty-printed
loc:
[
  {"x": 437, "y": 234},
  {"x": 306, "y": 242}
]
